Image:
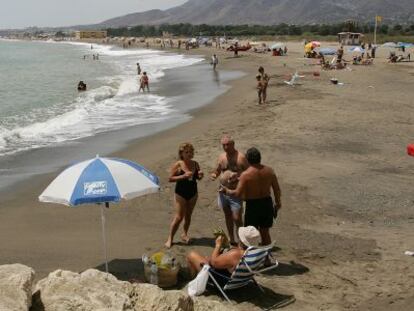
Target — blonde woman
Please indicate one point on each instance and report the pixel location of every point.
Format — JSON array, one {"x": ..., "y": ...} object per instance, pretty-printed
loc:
[{"x": 185, "y": 173}]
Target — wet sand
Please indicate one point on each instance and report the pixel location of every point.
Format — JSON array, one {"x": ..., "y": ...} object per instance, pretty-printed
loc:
[{"x": 346, "y": 181}]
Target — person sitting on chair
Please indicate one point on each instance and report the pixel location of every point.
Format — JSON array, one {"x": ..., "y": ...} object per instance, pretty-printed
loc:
[{"x": 224, "y": 263}]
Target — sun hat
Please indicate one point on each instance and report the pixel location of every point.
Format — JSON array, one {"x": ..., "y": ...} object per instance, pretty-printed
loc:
[{"x": 249, "y": 236}]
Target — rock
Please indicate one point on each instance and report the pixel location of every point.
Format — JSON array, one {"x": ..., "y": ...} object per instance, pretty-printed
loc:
[
  {"x": 16, "y": 287},
  {"x": 94, "y": 290},
  {"x": 206, "y": 304},
  {"x": 147, "y": 297},
  {"x": 88, "y": 291}
]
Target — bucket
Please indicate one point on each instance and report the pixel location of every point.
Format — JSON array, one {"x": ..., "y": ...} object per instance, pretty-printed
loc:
[
  {"x": 166, "y": 277},
  {"x": 334, "y": 81}
]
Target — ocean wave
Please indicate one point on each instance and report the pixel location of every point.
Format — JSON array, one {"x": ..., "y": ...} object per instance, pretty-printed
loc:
[{"x": 114, "y": 105}]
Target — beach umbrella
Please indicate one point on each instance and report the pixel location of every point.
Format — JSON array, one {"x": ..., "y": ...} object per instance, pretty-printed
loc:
[
  {"x": 327, "y": 51},
  {"x": 100, "y": 180},
  {"x": 278, "y": 45},
  {"x": 308, "y": 47},
  {"x": 316, "y": 44}
]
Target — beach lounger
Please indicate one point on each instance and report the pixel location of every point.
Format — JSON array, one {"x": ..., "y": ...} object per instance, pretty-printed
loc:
[{"x": 251, "y": 264}]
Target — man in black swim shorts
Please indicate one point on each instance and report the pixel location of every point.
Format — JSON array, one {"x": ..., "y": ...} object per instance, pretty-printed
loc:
[{"x": 254, "y": 186}]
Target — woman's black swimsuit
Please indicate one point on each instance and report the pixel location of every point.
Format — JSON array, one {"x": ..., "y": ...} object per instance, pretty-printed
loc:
[{"x": 187, "y": 188}]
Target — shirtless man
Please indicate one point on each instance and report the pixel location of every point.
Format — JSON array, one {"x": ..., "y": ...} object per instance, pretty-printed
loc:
[
  {"x": 254, "y": 187},
  {"x": 230, "y": 165}
]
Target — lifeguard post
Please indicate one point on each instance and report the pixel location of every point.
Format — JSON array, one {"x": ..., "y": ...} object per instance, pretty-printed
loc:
[{"x": 350, "y": 38}]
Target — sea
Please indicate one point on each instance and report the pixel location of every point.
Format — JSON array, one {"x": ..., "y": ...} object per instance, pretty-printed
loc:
[{"x": 45, "y": 123}]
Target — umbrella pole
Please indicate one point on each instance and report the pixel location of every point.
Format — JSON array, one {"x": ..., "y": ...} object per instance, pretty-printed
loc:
[{"x": 104, "y": 233}]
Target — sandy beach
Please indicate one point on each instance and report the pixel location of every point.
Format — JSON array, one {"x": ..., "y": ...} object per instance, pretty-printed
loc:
[{"x": 339, "y": 152}]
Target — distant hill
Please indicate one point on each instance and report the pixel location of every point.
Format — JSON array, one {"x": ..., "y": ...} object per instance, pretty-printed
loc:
[{"x": 269, "y": 12}]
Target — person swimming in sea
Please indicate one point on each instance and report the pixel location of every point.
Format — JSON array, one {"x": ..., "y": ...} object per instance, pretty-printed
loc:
[{"x": 81, "y": 86}]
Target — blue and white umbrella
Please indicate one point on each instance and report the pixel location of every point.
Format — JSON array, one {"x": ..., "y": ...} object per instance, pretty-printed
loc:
[{"x": 100, "y": 180}]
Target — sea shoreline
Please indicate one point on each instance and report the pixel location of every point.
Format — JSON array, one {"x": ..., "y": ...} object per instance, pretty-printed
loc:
[{"x": 199, "y": 91}]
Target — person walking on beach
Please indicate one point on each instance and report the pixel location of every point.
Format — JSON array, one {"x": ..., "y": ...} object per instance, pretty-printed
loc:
[
  {"x": 185, "y": 173},
  {"x": 230, "y": 164},
  {"x": 144, "y": 82},
  {"x": 254, "y": 187},
  {"x": 138, "y": 69},
  {"x": 265, "y": 82},
  {"x": 214, "y": 61},
  {"x": 259, "y": 88}
]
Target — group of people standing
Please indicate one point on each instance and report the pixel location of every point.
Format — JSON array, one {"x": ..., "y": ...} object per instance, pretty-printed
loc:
[{"x": 242, "y": 178}]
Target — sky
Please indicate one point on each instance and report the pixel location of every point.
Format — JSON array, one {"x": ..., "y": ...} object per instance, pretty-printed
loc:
[{"x": 54, "y": 13}]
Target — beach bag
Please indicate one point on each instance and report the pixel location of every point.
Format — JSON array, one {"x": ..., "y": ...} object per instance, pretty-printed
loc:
[{"x": 198, "y": 285}]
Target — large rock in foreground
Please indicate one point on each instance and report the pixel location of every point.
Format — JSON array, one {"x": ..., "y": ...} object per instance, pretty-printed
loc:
[
  {"x": 16, "y": 287},
  {"x": 90, "y": 290},
  {"x": 94, "y": 290}
]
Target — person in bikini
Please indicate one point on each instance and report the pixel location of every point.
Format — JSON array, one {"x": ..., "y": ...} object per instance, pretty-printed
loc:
[
  {"x": 144, "y": 82},
  {"x": 265, "y": 82},
  {"x": 254, "y": 187},
  {"x": 230, "y": 164},
  {"x": 185, "y": 173}
]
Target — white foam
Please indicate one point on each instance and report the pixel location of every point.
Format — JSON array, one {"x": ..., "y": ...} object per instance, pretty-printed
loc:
[{"x": 114, "y": 106}]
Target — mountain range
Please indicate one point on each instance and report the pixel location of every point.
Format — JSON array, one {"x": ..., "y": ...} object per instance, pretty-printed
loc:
[{"x": 270, "y": 12}]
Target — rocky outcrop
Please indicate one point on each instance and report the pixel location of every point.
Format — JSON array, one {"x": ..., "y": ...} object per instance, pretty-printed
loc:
[
  {"x": 148, "y": 297},
  {"x": 16, "y": 287},
  {"x": 94, "y": 290},
  {"x": 89, "y": 290}
]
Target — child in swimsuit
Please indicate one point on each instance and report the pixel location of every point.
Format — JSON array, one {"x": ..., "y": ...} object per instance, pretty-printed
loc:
[
  {"x": 185, "y": 174},
  {"x": 259, "y": 88},
  {"x": 144, "y": 82}
]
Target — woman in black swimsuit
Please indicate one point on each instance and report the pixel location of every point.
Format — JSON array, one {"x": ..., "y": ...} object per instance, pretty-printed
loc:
[{"x": 185, "y": 173}]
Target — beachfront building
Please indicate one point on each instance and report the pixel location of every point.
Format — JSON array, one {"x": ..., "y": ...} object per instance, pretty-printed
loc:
[
  {"x": 90, "y": 34},
  {"x": 350, "y": 38}
]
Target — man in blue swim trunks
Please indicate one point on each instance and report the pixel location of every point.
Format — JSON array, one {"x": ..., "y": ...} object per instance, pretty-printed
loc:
[
  {"x": 230, "y": 165},
  {"x": 255, "y": 187}
]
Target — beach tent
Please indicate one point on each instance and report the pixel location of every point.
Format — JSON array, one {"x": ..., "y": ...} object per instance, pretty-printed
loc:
[
  {"x": 327, "y": 51},
  {"x": 356, "y": 49},
  {"x": 100, "y": 181},
  {"x": 404, "y": 44},
  {"x": 390, "y": 45},
  {"x": 203, "y": 40},
  {"x": 278, "y": 45}
]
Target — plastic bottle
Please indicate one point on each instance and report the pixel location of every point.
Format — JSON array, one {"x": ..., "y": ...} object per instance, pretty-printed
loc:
[
  {"x": 145, "y": 259},
  {"x": 154, "y": 274}
]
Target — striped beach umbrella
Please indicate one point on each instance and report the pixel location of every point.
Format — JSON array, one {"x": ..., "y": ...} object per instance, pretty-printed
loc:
[{"x": 100, "y": 180}]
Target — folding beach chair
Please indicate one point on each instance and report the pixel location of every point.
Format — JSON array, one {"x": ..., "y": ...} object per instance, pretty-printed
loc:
[{"x": 250, "y": 264}]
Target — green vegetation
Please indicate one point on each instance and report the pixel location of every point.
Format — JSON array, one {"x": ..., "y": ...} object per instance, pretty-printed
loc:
[{"x": 315, "y": 31}]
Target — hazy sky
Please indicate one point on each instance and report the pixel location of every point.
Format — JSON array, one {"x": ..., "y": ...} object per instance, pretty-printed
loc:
[{"x": 25, "y": 13}]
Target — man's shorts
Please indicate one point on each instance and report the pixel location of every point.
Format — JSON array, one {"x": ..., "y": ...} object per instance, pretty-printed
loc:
[
  {"x": 225, "y": 200},
  {"x": 259, "y": 213}
]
